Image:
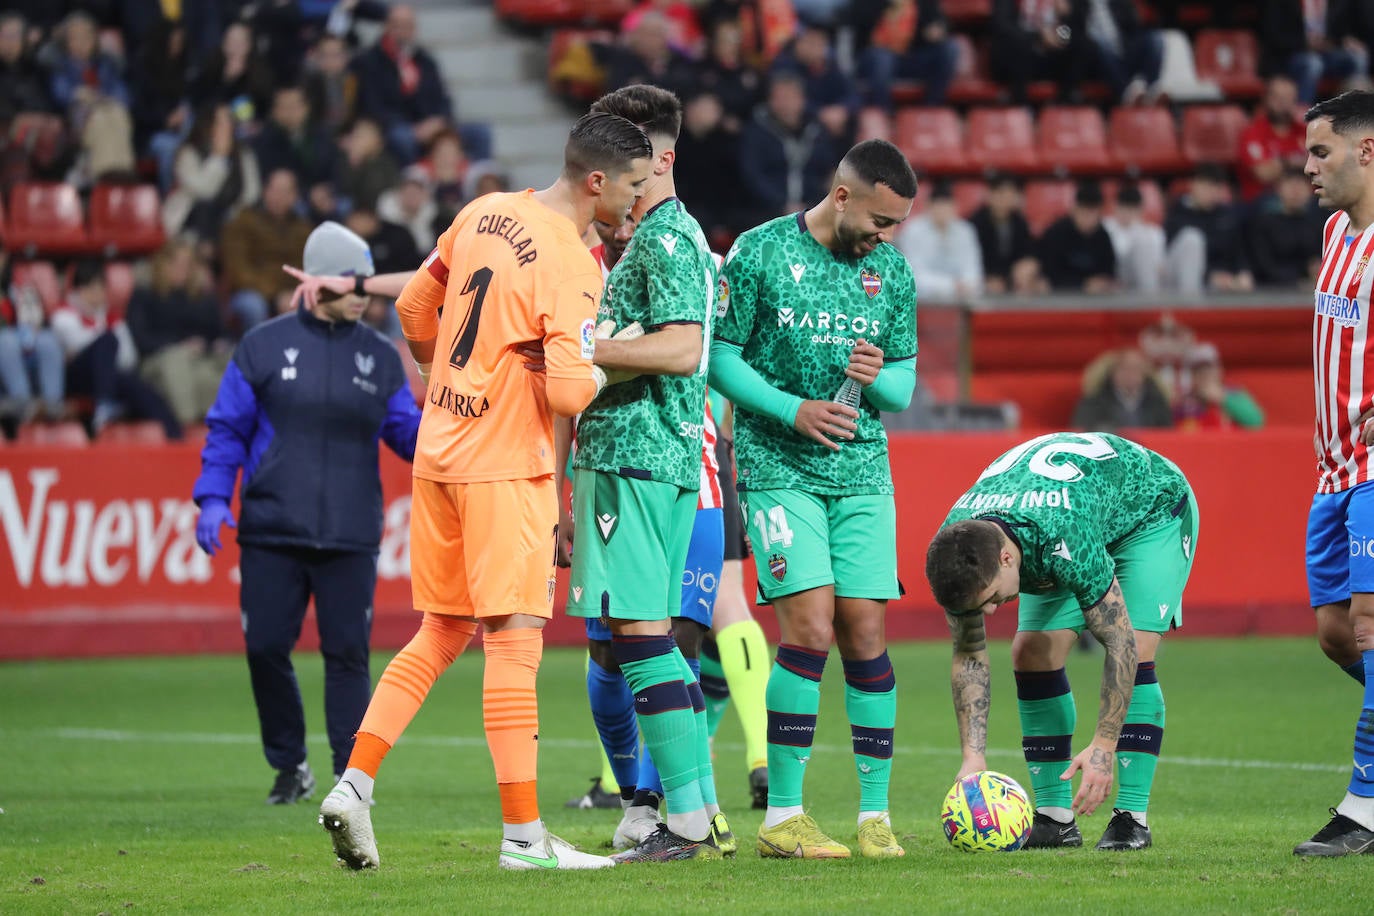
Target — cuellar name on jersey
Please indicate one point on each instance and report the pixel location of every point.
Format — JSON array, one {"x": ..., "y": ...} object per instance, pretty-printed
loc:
[{"x": 1028, "y": 499}]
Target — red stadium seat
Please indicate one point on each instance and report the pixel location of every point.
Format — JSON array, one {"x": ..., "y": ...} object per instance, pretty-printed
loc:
[
  {"x": 45, "y": 218},
  {"x": 971, "y": 84},
  {"x": 138, "y": 432},
  {"x": 126, "y": 219},
  {"x": 607, "y": 13},
  {"x": 119, "y": 287},
  {"x": 932, "y": 139},
  {"x": 1145, "y": 140},
  {"x": 1229, "y": 58},
  {"x": 1073, "y": 140},
  {"x": 67, "y": 434},
  {"x": 1152, "y": 204},
  {"x": 1046, "y": 201},
  {"x": 969, "y": 196},
  {"x": 967, "y": 10},
  {"x": 1211, "y": 133},
  {"x": 874, "y": 124},
  {"x": 41, "y": 276},
  {"x": 1003, "y": 139}
]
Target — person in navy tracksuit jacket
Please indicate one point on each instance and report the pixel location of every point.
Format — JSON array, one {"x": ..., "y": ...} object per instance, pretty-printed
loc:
[{"x": 300, "y": 411}]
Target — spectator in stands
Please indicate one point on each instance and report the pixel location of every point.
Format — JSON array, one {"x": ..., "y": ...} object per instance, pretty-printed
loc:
[
  {"x": 684, "y": 31},
  {"x": 1312, "y": 40},
  {"x": 393, "y": 251},
  {"x": 254, "y": 246},
  {"x": 1076, "y": 252},
  {"x": 23, "y": 87},
  {"x": 1120, "y": 394},
  {"x": 1129, "y": 56},
  {"x": 101, "y": 358},
  {"x": 399, "y": 87},
  {"x": 786, "y": 157},
  {"x": 831, "y": 95},
  {"x": 1209, "y": 403},
  {"x": 942, "y": 249},
  {"x": 727, "y": 75},
  {"x": 486, "y": 176},
  {"x": 1040, "y": 39},
  {"x": 1275, "y": 136},
  {"x": 707, "y": 169},
  {"x": 1139, "y": 244},
  {"x": 1004, "y": 237},
  {"x": 289, "y": 140},
  {"x": 31, "y": 359},
  {"x": 176, "y": 327},
  {"x": 215, "y": 176},
  {"x": 1166, "y": 344},
  {"x": 447, "y": 166},
  {"x": 162, "y": 117},
  {"x": 905, "y": 39},
  {"x": 1285, "y": 234},
  {"x": 89, "y": 86},
  {"x": 411, "y": 204},
  {"x": 366, "y": 169},
  {"x": 237, "y": 76},
  {"x": 331, "y": 87},
  {"x": 645, "y": 55},
  {"x": 1206, "y": 238},
  {"x": 766, "y": 25}
]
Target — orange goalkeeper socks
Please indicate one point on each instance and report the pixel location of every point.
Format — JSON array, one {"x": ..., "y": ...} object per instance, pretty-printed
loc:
[
  {"x": 510, "y": 715},
  {"x": 404, "y": 685}
]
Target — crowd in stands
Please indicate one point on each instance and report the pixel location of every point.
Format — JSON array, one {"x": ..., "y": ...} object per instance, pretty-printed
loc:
[{"x": 248, "y": 123}]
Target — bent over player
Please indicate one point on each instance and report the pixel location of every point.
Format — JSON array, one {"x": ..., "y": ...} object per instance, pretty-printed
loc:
[
  {"x": 511, "y": 269},
  {"x": 817, "y": 299},
  {"x": 1090, "y": 530}
]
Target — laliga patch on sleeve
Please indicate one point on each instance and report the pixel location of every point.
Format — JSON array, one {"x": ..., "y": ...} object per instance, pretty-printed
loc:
[{"x": 588, "y": 337}]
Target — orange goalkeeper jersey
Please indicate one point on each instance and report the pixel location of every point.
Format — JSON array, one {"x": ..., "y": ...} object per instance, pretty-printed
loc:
[{"x": 510, "y": 270}]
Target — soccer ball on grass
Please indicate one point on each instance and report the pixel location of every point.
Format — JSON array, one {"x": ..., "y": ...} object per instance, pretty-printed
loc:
[{"x": 986, "y": 812}]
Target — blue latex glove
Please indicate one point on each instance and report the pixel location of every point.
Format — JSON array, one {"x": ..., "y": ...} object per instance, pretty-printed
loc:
[{"x": 213, "y": 513}]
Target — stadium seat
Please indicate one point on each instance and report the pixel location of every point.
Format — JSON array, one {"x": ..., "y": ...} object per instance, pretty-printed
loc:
[
  {"x": 605, "y": 13},
  {"x": 539, "y": 12},
  {"x": 1073, "y": 140},
  {"x": 136, "y": 432},
  {"x": 1046, "y": 201},
  {"x": 967, "y": 10},
  {"x": 573, "y": 70},
  {"x": 119, "y": 287},
  {"x": 1003, "y": 139},
  {"x": 67, "y": 434},
  {"x": 1211, "y": 133},
  {"x": 42, "y": 277},
  {"x": 969, "y": 196},
  {"x": 1152, "y": 204},
  {"x": 1145, "y": 140},
  {"x": 1229, "y": 58},
  {"x": 932, "y": 139},
  {"x": 126, "y": 219},
  {"x": 971, "y": 84},
  {"x": 873, "y": 124},
  {"x": 45, "y": 218}
]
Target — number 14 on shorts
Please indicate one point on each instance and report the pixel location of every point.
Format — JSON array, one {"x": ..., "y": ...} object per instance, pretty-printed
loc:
[{"x": 771, "y": 528}]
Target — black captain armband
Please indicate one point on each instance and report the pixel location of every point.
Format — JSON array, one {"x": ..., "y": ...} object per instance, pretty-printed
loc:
[{"x": 358, "y": 284}]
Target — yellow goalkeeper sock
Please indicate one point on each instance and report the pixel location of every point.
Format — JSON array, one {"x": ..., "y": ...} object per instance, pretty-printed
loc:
[{"x": 744, "y": 658}]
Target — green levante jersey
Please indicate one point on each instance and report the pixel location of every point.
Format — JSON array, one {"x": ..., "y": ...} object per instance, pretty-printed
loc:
[
  {"x": 797, "y": 309},
  {"x": 650, "y": 427},
  {"x": 1068, "y": 499}
]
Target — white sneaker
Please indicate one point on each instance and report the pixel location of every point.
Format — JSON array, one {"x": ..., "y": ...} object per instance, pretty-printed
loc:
[
  {"x": 550, "y": 853},
  {"x": 349, "y": 821},
  {"x": 637, "y": 824}
]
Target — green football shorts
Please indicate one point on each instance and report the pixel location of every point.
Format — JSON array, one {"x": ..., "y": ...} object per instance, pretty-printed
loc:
[
  {"x": 1152, "y": 567},
  {"x": 804, "y": 540},
  {"x": 631, "y": 546}
]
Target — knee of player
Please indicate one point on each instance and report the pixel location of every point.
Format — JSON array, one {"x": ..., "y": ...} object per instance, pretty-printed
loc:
[{"x": 603, "y": 655}]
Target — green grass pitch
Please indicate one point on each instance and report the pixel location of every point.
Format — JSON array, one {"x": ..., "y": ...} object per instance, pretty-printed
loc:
[{"x": 138, "y": 785}]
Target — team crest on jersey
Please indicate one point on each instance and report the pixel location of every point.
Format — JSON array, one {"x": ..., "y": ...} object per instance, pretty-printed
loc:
[
  {"x": 1359, "y": 268},
  {"x": 777, "y": 565},
  {"x": 872, "y": 283}
]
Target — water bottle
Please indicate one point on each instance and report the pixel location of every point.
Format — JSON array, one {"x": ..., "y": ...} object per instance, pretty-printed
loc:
[{"x": 849, "y": 393}]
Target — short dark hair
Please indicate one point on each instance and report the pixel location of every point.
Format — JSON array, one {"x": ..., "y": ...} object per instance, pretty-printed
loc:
[
  {"x": 942, "y": 189},
  {"x": 879, "y": 162},
  {"x": 601, "y": 142},
  {"x": 1088, "y": 194},
  {"x": 1349, "y": 111},
  {"x": 657, "y": 111},
  {"x": 999, "y": 180},
  {"x": 961, "y": 561},
  {"x": 87, "y": 271},
  {"x": 1211, "y": 171},
  {"x": 1129, "y": 196}
]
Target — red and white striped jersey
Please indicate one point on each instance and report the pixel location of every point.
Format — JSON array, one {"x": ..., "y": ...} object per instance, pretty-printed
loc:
[
  {"x": 708, "y": 496},
  {"x": 1341, "y": 355}
]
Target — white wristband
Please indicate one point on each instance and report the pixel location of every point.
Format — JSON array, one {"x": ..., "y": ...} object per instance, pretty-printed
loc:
[
  {"x": 598, "y": 376},
  {"x": 423, "y": 369}
]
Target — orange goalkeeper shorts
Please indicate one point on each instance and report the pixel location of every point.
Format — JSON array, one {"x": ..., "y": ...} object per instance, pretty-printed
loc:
[{"x": 483, "y": 549}]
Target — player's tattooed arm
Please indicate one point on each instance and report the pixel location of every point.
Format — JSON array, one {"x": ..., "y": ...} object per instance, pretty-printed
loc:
[
  {"x": 1110, "y": 623},
  {"x": 971, "y": 685}
]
